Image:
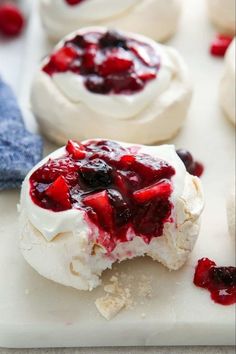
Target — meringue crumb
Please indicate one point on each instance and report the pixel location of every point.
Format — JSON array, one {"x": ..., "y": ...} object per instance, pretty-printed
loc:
[
  {"x": 109, "y": 305},
  {"x": 119, "y": 296}
]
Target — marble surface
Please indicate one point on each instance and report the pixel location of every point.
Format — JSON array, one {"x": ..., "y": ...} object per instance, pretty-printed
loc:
[{"x": 134, "y": 350}]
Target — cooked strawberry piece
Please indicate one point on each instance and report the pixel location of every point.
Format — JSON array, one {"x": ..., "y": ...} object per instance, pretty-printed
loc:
[
  {"x": 147, "y": 76},
  {"x": 88, "y": 61},
  {"x": 100, "y": 203},
  {"x": 58, "y": 191},
  {"x": 220, "y": 45},
  {"x": 63, "y": 58},
  {"x": 118, "y": 61},
  {"x": 158, "y": 190},
  {"x": 201, "y": 277},
  {"x": 76, "y": 150},
  {"x": 127, "y": 160}
]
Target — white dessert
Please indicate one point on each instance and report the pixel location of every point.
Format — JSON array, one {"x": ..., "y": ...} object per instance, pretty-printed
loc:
[
  {"x": 62, "y": 246},
  {"x": 231, "y": 211},
  {"x": 227, "y": 85},
  {"x": 156, "y": 113},
  {"x": 157, "y": 19},
  {"x": 222, "y": 15}
]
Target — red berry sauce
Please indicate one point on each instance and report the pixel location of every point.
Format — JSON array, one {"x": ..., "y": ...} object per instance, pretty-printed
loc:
[
  {"x": 193, "y": 167},
  {"x": 108, "y": 62},
  {"x": 11, "y": 20},
  {"x": 220, "y": 281},
  {"x": 119, "y": 188},
  {"x": 220, "y": 45}
]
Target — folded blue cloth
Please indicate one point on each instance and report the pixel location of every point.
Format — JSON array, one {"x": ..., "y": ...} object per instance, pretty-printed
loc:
[{"x": 20, "y": 150}]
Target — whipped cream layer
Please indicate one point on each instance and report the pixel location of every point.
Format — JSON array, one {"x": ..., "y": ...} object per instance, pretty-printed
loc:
[
  {"x": 227, "y": 85},
  {"x": 51, "y": 223},
  {"x": 154, "y": 18},
  {"x": 119, "y": 106}
]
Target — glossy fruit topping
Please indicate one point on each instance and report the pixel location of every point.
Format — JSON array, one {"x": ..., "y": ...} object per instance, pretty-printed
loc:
[
  {"x": 11, "y": 20},
  {"x": 121, "y": 190},
  {"x": 195, "y": 168},
  {"x": 220, "y": 281},
  {"x": 220, "y": 45},
  {"x": 108, "y": 62}
]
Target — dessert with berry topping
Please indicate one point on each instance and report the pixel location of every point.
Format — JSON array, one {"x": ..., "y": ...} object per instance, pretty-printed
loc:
[
  {"x": 113, "y": 85},
  {"x": 222, "y": 15},
  {"x": 91, "y": 204},
  {"x": 157, "y": 19},
  {"x": 227, "y": 85}
]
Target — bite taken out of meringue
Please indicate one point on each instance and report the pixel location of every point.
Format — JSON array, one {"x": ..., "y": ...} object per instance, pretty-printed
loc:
[
  {"x": 114, "y": 85},
  {"x": 157, "y": 19},
  {"x": 91, "y": 204}
]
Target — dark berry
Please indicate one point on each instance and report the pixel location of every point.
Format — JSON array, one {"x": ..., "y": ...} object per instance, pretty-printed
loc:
[
  {"x": 113, "y": 39},
  {"x": 96, "y": 173},
  {"x": 11, "y": 20}
]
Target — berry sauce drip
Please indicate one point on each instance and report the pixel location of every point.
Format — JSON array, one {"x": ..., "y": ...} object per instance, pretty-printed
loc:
[
  {"x": 74, "y": 2},
  {"x": 220, "y": 45},
  {"x": 119, "y": 188},
  {"x": 220, "y": 281},
  {"x": 193, "y": 167},
  {"x": 108, "y": 62}
]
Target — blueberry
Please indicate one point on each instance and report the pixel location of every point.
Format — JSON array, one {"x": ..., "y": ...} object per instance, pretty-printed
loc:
[
  {"x": 113, "y": 39},
  {"x": 96, "y": 174}
]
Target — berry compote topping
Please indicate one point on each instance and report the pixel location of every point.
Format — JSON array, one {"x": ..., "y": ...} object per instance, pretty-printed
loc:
[
  {"x": 108, "y": 62},
  {"x": 220, "y": 281},
  {"x": 220, "y": 45},
  {"x": 74, "y": 2},
  {"x": 11, "y": 20},
  {"x": 193, "y": 167},
  {"x": 120, "y": 189}
]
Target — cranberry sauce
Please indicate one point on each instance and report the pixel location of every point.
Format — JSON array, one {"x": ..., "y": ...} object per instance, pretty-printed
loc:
[
  {"x": 220, "y": 281},
  {"x": 108, "y": 62},
  {"x": 193, "y": 167},
  {"x": 119, "y": 188}
]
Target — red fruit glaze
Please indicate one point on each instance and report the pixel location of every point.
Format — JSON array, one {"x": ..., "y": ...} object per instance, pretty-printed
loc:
[
  {"x": 120, "y": 189},
  {"x": 220, "y": 45},
  {"x": 220, "y": 281},
  {"x": 108, "y": 62},
  {"x": 11, "y": 20}
]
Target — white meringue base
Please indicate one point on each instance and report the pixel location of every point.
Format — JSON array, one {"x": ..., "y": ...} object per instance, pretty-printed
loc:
[
  {"x": 157, "y": 19},
  {"x": 60, "y": 119},
  {"x": 222, "y": 15},
  {"x": 73, "y": 259},
  {"x": 227, "y": 85}
]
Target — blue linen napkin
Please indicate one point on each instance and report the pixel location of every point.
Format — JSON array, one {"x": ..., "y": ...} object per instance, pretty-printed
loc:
[{"x": 20, "y": 150}]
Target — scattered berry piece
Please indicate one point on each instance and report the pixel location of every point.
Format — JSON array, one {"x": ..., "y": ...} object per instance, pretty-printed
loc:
[
  {"x": 11, "y": 20},
  {"x": 193, "y": 167},
  {"x": 220, "y": 281},
  {"x": 220, "y": 45}
]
